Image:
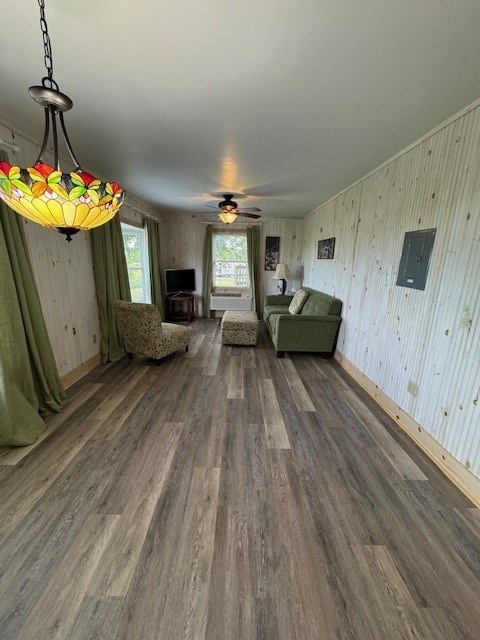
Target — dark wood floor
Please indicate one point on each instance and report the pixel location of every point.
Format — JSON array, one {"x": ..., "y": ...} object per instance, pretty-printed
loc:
[{"x": 229, "y": 495}]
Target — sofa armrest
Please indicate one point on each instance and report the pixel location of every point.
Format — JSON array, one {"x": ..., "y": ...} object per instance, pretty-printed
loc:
[
  {"x": 278, "y": 300},
  {"x": 304, "y": 332}
]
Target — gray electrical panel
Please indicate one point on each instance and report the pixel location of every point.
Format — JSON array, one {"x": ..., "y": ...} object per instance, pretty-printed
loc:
[{"x": 417, "y": 248}]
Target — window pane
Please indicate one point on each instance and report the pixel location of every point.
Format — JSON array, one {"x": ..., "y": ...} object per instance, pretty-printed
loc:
[
  {"x": 230, "y": 267},
  {"x": 137, "y": 263}
]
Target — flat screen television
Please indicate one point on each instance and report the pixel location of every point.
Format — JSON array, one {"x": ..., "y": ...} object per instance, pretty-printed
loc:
[{"x": 179, "y": 280}]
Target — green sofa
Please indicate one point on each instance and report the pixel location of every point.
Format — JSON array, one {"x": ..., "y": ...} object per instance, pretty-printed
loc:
[{"x": 315, "y": 328}]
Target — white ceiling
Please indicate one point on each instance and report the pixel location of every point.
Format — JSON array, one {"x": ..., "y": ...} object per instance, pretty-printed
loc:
[{"x": 286, "y": 100}]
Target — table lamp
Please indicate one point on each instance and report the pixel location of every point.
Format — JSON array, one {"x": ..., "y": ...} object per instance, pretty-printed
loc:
[{"x": 282, "y": 272}]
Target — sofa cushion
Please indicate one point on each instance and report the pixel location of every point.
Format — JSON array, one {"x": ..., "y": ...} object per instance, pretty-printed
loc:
[
  {"x": 318, "y": 304},
  {"x": 298, "y": 301},
  {"x": 273, "y": 309}
]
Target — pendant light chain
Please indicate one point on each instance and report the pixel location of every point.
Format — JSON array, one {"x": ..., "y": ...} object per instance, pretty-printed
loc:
[{"x": 47, "y": 48}]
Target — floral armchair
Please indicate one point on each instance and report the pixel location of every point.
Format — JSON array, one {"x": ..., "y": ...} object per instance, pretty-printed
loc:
[{"x": 144, "y": 333}]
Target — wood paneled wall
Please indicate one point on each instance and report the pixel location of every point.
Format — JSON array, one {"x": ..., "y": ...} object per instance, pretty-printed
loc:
[
  {"x": 290, "y": 231},
  {"x": 394, "y": 334},
  {"x": 182, "y": 248}
]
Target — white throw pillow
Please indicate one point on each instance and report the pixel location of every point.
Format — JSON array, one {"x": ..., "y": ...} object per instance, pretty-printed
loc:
[{"x": 298, "y": 301}]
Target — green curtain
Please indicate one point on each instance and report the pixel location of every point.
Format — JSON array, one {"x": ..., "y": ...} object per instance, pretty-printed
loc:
[
  {"x": 20, "y": 422},
  {"x": 29, "y": 380},
  {"x": 111, "y": 282},
  {"x": 207, "y": 270},
  {"x": 253, "y": 250},
  {"x": 156, "y": 284}
]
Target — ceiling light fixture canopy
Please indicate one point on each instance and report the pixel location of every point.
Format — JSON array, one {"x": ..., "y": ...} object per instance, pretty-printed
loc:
[{"x": 71, "y": 201}]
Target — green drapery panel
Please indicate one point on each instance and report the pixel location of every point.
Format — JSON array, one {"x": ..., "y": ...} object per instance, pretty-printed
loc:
[
  {"x": 253, "y": 251},
  {"x": 111, "y": 282},
  {"x": 20, "y": 422},
  {"x": 29, "y": 380},
  {"x": 207, "y": 270},
  {"x": 156, "y": 282}
]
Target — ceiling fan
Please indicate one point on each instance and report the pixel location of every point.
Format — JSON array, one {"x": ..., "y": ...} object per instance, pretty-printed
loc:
[{"x": 229, "y": 210}]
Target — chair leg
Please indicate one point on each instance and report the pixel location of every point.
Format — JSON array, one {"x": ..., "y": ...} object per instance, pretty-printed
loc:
[
  {"x": 280, "y": 354},
  {"x": 130, "y": 355},
  {"x": 186, "y": 348}
]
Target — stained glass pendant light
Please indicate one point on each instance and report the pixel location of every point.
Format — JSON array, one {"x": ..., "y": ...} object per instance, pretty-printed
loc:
[{"x": 70, "y": 202}]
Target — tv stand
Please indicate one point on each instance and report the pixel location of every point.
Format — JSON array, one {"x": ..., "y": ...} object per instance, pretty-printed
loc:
[{"x": 176, "y": 311}]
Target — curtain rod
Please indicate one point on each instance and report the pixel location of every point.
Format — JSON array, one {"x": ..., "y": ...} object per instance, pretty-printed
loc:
[
  {"x": 10, "y": 145},
  {"x": 130, "y": 205},
  {"x": 233, "y": 224},
  {"x": 149, "y": 215}
]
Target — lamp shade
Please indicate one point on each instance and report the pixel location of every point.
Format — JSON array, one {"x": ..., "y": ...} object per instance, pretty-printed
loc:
[
  {"x": 67, "y": 201},
  {"x": 227, "y": 216},
  {"x": 282, "y": 272}
]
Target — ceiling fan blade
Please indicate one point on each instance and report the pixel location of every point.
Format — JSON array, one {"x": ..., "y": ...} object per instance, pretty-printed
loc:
[
  {"x": 248, "y": 215},
  {"x": 212, "y": 206},
  {"x": 250, "y": 209}
]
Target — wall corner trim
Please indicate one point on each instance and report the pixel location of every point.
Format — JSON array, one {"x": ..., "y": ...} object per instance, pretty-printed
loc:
[
  {"x": 79, "y": 372},
  {"x": 461, "y": 477}
]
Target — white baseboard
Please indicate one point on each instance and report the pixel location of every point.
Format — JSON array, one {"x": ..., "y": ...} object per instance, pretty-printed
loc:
[{"x": 450, "y": 466}]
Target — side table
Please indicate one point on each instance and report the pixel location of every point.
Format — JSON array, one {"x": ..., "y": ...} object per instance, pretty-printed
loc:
[{"x": 175, "y": 307}]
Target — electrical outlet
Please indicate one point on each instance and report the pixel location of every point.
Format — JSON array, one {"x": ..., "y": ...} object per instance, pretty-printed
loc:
[
  {"x": 412, "y": 388},
  {"x": 94, "y": 338}
]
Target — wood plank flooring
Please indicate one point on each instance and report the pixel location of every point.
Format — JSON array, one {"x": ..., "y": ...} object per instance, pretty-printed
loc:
[{"x": 230, "y": 495}]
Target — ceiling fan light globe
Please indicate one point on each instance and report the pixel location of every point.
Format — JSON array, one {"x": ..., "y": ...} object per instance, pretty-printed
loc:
[{"x": 227, "y": 217}]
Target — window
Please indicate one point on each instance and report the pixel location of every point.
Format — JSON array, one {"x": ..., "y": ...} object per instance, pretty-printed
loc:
[
  {"x": 230, "y": 266},
  {"x": 136, "y": 253}
]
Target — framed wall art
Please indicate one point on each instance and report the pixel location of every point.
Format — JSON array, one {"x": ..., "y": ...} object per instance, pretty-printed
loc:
[
  {"x": 326, "y": 249},
  {"x": 272, "y": 252}
]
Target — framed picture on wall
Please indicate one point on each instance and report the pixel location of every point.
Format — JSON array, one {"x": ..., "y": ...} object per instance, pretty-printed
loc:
[
  {"x": 272, "y": 252},
  {"x": 326, "y": 249}
]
